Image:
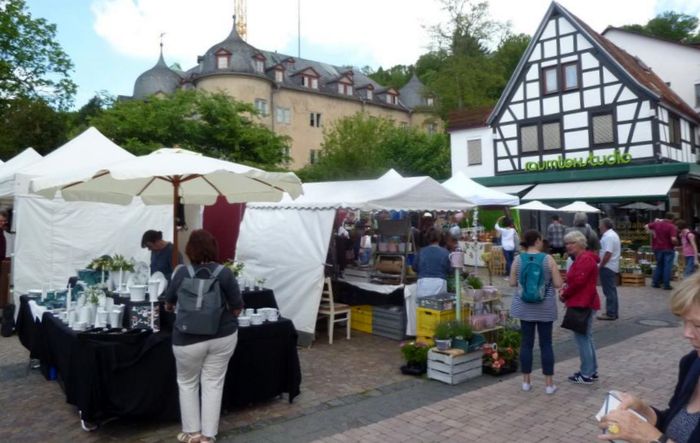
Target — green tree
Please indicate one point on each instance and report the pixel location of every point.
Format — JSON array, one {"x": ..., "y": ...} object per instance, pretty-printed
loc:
[
  {"x": 510, "y": 51},
  {"x": 211, "y": 123},
  {"x": 32, "y": 123},
  {"x": 32, "y": 63},
  {"x": 671, "y": 26},
  {"x": 364, "y": 147},
  {"x": 394, "y": 77}
]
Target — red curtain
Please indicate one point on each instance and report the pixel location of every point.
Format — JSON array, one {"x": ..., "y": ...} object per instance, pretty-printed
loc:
[{"x": 223, "y": 221}]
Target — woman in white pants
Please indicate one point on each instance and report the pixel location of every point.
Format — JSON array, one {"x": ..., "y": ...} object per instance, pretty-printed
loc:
[{"x": 202, "y": 360}]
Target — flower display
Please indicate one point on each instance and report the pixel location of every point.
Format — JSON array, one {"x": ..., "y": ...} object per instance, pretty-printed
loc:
[{"x": 414, "y": 352}]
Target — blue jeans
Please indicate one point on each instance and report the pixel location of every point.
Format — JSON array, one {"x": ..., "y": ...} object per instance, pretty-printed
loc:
[
  {"x": 586, "y": 349},
  {"x": 664, "y": 266},
  {"x": 527, "y": 332},
  {"x": 607, "y": 281},
  {"x": 509, "y": 259},
  {"x": 689, "y": 266}
]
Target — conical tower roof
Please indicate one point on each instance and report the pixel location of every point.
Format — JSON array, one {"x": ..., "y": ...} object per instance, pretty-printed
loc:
[{"x": 159, "y": 78}]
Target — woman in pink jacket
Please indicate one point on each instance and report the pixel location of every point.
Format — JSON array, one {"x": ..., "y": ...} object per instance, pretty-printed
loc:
[{"x": 580, "y": 292}]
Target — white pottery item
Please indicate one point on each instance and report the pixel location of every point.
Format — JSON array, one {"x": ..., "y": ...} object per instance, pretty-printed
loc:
[
  {"x": 138, "y": 292},
  {"x": 243, "y": 321},
  {"x": 153, "y": 287},
  {"x": 249, "y": 312},
  {"x": 256, "y": 319},
  {"x": 114, "y": 318}
]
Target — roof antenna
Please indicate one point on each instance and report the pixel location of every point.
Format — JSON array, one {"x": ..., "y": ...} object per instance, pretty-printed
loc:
[{"x": 298, "y": 28}]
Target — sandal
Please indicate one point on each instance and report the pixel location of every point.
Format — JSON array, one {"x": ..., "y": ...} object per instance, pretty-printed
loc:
[{"x": 189, "y": 437}]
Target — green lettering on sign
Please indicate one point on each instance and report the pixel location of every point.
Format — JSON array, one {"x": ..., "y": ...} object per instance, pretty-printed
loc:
[{"x": 582, "y": 162}]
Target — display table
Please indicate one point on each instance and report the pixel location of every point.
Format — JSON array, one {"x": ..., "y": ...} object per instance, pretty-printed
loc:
[
  {"x": 105, "y": 379},
  {"x": 352, "y": 293}
]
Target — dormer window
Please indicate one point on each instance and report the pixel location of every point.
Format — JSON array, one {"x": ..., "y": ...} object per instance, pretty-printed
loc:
[
  {"x": 344, "y": 89},
  {"x": 279, "y": 75},
  {"x": 223, "y": 59},
  {"x": 259, "y": 65},
  {"x": 309, "y": 82},
  {"x": 391, "y": 99},
  {"x": 430, "y": 101},
  {"x": 369, "y": 94}
]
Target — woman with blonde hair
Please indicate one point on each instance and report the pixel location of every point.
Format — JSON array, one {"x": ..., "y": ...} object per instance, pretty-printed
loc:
[{"x": 680, "y": 422}]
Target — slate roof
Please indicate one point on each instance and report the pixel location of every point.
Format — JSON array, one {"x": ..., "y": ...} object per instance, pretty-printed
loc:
[
  {"x": 468, "y": 118},
  {"x": 159, "y": 78},
  {"x": 413, "y": 93}
]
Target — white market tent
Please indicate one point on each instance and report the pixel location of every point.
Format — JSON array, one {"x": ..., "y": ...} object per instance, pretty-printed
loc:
[
  {"x": 286, "y": 243},
  {"x": 535, "y": 205},
  {"x": 55, "y": 237},
  {"x": 8, "y": 170},
  {"x": 579, "y": 206},
  {"x": 478, "y": 194}
]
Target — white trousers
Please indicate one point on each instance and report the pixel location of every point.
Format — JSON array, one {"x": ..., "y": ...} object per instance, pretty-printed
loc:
[{"x": 203, "y": 363}]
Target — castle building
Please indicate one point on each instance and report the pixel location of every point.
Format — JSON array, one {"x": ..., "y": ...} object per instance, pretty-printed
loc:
[{"x": 295, "y": 97}]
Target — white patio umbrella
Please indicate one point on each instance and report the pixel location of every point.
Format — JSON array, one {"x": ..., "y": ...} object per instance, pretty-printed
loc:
[
  {"x": 643, "y": 206},
  {"x": 579, "y": 206},
  {"x": 535, "y": 205},
  {"x": 171, "y": 176}
]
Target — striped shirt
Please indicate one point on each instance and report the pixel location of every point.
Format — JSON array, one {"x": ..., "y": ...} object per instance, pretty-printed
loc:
[{"x": 545, "y": 311}]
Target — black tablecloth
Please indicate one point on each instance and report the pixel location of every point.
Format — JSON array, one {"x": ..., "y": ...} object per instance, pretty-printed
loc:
[
  {"x": 137, "y": 379},
  {"x": 352, "y": 295}
]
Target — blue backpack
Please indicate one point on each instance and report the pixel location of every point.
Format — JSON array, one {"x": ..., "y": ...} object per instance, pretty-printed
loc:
[{"x": 532, "y": 277}]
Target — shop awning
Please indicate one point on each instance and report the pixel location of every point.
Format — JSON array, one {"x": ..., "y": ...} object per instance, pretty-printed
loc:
[
  {"x": 512, "y": 189},
  {"x": 645, "y": 188}
]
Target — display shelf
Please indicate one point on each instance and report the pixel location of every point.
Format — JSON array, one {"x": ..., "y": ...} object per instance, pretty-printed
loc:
[
  {"x": 485, "y": 331},
  {"x": 395, "y": 240}
]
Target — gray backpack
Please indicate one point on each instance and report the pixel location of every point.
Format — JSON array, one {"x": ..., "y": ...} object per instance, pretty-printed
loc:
[{"x": 199, "y": 303}]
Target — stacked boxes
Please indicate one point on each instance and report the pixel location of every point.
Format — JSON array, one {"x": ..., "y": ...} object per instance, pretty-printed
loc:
[
  {"x": 389, "y": 321},
  {"x": 361, "y": 318},
  {"x": 427, "y": 319}
]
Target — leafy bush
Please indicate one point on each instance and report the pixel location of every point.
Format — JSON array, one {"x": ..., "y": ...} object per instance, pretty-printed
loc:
[
  {"x": 460, "y": 330},
  {"x": 415, "y": 352},
  {"x": 443, "y": 331},
  {"x": 475, "y": 282}
]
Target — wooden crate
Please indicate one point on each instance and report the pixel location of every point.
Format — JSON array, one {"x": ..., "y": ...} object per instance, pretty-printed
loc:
[
  {"x": 427, "y": 319},
  {"x": 453, "y": 366},
  {"x": 361, "y": 318},
  {"x": 632, "y": 279}
]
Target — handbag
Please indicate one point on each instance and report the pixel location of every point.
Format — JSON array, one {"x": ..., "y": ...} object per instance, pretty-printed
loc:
[{"x": 576, "y": 319}]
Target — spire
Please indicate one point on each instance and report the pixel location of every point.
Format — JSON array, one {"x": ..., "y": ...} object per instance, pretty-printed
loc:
[
  {"x": 234, "y": 32},
  {"x": 161, "y": 60}
]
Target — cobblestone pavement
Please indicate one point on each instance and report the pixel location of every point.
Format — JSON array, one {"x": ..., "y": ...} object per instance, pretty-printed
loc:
[{"x": 352, "y": 391}]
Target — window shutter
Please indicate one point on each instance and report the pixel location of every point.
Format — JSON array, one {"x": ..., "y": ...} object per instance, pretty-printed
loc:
[
  {"x": 528, "y": 139},
  {"x": 551, "y": 136},
  {"x": 474, "y": 152},
  {"x": 603, "y": 129}
]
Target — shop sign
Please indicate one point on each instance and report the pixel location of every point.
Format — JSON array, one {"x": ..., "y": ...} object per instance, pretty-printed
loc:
[{"x": 583, "y": 162}]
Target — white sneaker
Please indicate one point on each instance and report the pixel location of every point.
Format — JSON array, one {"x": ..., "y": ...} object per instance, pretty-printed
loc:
[
  {"x": 549, "y": 390},
  {"x": 526, "y": 386}
]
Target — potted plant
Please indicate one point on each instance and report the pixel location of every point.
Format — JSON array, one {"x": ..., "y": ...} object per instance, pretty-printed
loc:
[
  {"x": 416, "y": 356},
  {"x": 502, "y": 357},
  {"x": 443, "y": 336},
  {"x": 98, "y": 266},
  {"x": 124, "y": 266},
  {"x": 474, "y": 287},
  {"x": 461, "y": 333},
  {"x": 235, "y": 266}
]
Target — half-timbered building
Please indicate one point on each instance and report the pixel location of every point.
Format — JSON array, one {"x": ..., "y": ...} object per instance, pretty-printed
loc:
[{"x": 578, "y": 119}]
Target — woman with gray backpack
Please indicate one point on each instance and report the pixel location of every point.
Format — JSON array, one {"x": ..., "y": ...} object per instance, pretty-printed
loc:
[
  {"x": 207, "y": 301},
  {"x": 535, "y": 274}
]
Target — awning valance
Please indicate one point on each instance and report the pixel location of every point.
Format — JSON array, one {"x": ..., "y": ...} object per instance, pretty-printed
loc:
[
  {"x": 646, "y": 188},
  {"x": 512, "y": 189}
]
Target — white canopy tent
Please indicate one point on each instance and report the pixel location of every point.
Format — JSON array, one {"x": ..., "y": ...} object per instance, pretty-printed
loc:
[
  {"x": 535, "y": 205},
  {"x": 478, "y": 194},
  {"x": 286, "y": 243},
  {"x": 54, "y": 237},
  {"x": 8, "y": 170},
  {"x": 579, "y": 206}
]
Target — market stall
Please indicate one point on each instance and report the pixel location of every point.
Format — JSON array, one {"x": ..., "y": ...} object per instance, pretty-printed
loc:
[
  {"x": 287, "y": 242},
  {"x": 107, "y": 376}
]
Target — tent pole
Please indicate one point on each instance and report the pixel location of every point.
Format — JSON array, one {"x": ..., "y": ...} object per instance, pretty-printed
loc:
[{"x": 176, "y": 186}]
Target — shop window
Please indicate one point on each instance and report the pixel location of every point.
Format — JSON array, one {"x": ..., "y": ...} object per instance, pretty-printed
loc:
[
  {"x": 315, "y": 119},
  {"x": 473, "y": 152},
  {"x": 674, "y": 130},
  {"x": 550, "y": 80},
  {"x": 261, "y": 106},
  {"x": 528, "y": 139},
  {"x": 551, "y": 136},
  {"x": 570, "y": 75},
  {"x": 283, "y": 115},
  {"x": 603, "y": 131}
]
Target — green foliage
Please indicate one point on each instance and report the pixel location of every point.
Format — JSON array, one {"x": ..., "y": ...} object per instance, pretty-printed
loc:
[
  {"x": 396, "y": 76},
  {"x": 26, "y": 122},
  {"x": 32, "y": 63},
  {"x": 211, "y": 123},
  {"x": 415, "y": 352},
  {"x": 510, "y": 51},
  {"x": 475, "y": 282},
  {"x": 121, "y": 263},
  {"x": 671, "y": 26},
  {"x": 460, "y": 330},
  {"x": 508, "y": 338},
  {"x": 365, "y": 147},
  {"x": 443, "y": 331},
  {"x": 103, "y": 263}
]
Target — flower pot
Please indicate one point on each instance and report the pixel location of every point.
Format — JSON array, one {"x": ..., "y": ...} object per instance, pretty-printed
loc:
[
  {"x": 503, "y": 370},
  {"x": 413, "y": 368},
  {"x": 458, "y": 343},
  {"x": 443, "y": 345}
]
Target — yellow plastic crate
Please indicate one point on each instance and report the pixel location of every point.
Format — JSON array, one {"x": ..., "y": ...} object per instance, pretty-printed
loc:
[
  {"x": 428, "y": 319},
  {"x": 361, "y": 318}
]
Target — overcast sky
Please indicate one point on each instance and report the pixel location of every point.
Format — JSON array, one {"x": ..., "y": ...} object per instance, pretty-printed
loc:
[{"x": 112, "y": 41}]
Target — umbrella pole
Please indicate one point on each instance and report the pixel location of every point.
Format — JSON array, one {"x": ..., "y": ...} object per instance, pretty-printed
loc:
[{"x": 176, "y": 186}]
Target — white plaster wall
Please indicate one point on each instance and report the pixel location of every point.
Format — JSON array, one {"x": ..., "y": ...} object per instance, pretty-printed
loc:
[
  {"x": 458, "y": 152},
  {"x": 674, "y": 63}
]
